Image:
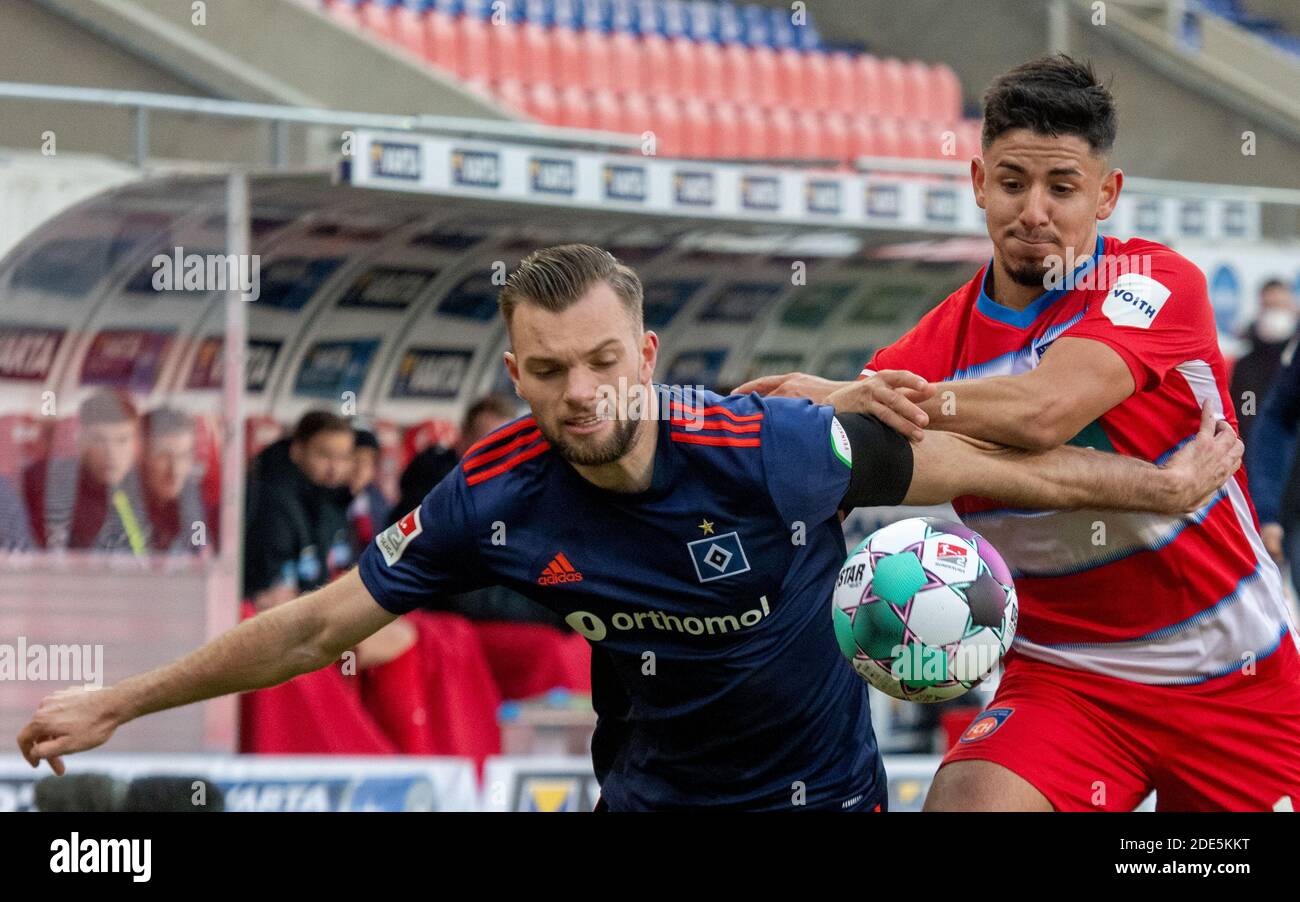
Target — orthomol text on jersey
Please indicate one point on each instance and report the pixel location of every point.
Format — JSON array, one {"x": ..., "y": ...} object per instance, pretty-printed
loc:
[{"x": 593, "y": 627}]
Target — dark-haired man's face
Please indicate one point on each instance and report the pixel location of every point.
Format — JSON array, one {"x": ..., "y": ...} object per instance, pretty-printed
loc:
[
  {"x": 1043, "y": 197},
  {"x": 110, "y": 450},
  {"x": 564, "y": 364},
  {"x": 325, "y": 458}
]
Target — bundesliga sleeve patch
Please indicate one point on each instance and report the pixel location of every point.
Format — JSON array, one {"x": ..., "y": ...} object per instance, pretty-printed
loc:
[
  {"x": 1134, "y": 300},
  {"x": 393, "y": 540},
  {"x": 840, "y": 443}
]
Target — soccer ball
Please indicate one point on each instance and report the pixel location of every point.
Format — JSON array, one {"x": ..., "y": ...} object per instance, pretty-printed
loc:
[{"x": 924, "y": 609}]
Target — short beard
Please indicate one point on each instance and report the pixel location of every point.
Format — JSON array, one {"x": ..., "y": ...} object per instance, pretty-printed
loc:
[
  {"x": 611, "y": 450},
  {"x": 1030, "y": 276}
]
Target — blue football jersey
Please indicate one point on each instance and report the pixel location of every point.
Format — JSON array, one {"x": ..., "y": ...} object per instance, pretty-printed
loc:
[{"x": 717, "y": 679}]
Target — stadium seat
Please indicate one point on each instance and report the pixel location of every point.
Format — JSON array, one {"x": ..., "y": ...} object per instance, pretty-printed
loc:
[
  {"x": 835, "y": 136},
  {"x": 893, "y": 89},
  {"x": 344, "y": 12},
  {"x": 543, "y": 103},
  {"x": 738, "y": 74},
  {"x": 440, "y": 41},
  {"x": 606, "y": 111},
  {"x": 567, "y": 55},
  {"x": 766, "y": 78},
  {"x": 791, "y": 75},
  {"x": 869, "y": 86},
  {"x": 782, "y": 143},
  {"x": 946, "y": 85},
  {"x": 676, "y": 20},
  {"x": 757, "y": 25},
  {"x": 473, "y": 61},
  {"x": 635, "y": 114},
  {"x": 531, "y": 659},
  {"x": 376, "y": 17},
  {"x": 408, "y": 25},
  {"x": 656, "y": 66},
  {"x": 667, "y": 125},
  {"x": 817, "y": 89},
  {"x": 752, "y": 131},
  {"x": 711, "y": 72},
  {"x": 696, "y": 128},
  {"x": 505, "y": 53},
  {"x": 888, "y": 137},
  {"x": 629, "y": 58},
  {"x": 842, "y": 92},
  {"x": 810, "y": 141},
  {"x": 575, "y": 108},
  {"x": 724, "y": 131},
  {"x": 683, "y": 68},
  {"x": 512, "y": 95},
  {"x": 594, "y": 15},
  {"x": 423, "y": 435},
  {"x": 600, "y": 68},
  {"x": 919, "y": 140}
]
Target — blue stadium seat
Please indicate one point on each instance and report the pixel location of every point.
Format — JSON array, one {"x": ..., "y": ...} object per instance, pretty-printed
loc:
[
  {"x": 565, "y": 14},
  {"x": 623, "y": 16},
  {"x": 650, "y": 18},
  {"x": 540, "y": 12},
  {"x": 731, "y": 26},
  {"x": 477, "y": 9},
  {"x": 702, "y": 21},
  {"x": 783, "y": 30},
  {"x": 594, "y": 15},
  {"x": 757, "y": 26},
  {"x": 676, "y": 18},
  {"x": 449, "y": 7}
]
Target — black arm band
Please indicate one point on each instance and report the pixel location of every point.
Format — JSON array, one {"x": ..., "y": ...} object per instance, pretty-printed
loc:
[{"x": 882, "y": 463}]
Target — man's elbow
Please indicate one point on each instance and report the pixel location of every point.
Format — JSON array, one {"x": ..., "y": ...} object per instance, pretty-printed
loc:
[{"x": 1048, "y": 424}]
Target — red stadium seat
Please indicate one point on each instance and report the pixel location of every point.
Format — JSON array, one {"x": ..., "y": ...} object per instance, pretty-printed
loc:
[
  {"x": 724, "y": 131},
  {"x": 696, "y": 128},
  {"x": 684, "y": 68},
  {"x": 918, "y": 102},
  {"x": 766, "y": 78},
  {"x": 600, "y": 68},
  {"x": 408, "y": 28},
  {"x": 810, "y": 140},
  {"x": 889, "y": 137},
  {"x": 712, "y": 85},
  {"x": 667, "y": 125},
  {"x": 781, "y": 135},
  {"x": 817, "y": 81},
  {"x": 505, "y": 53},
  {"x": 606, "y": 111},
  {"x": 753, "y": 134},
  {"x": 531, "y": 659},
  {"x": 567, "y": 55},
  {"x": 635, "y": 114},
  {"x": 835, "y": 136},
  {"x": 870, "y": 86},
  {"x": 948, "y": 88},
  {"x": 543, "y": 104},
  {"x": 472, "y": 60},
  {"x": 738, "y": 74},
  {"x": 862, "y": 136},
  {"x": 512, "y": 95},
  {"x": 656, "y": 66},
  {"x": 423, "y": 435},
  {"x": 842, "y": 93},
  {"x": 919, "y": 139},
  {"x": 893, "y": 92},
  {"x": 441, "y": 44},
  {"x": 791, "y": 75},
  {"x": 375, "y": 18},
  {"x": 575, "y": 108},
  {"x": 628, "y": 58}
]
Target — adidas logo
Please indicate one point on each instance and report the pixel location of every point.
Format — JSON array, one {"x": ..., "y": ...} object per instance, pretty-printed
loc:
[{"x": 559, "y": 570}]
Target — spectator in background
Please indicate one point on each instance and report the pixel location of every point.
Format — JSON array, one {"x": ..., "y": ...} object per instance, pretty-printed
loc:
[
  {"x": 297, "y": 532},
  {"x": 171, "y": 487},
  {"x": 427, "y": 468},
  {"x": 1272, "y": 331},
  {"x": 1271, "y": 465},
  {"x": 368, "y": 506},
  {"x": 15, "y": 528},
  {"x": 94, "y": 501}
]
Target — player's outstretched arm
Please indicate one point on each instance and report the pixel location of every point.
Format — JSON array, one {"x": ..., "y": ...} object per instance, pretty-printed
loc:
[
  {"x": 947, "y": 465},
  {"x": 295, "y": 638}
]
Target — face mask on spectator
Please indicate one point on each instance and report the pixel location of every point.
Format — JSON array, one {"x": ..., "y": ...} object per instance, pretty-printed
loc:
[{"x": 1276, "y": 325}]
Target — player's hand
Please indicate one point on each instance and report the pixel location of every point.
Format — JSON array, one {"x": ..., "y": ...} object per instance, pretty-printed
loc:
[
  {"x": 68, "y": 721},
  {"x": 792, "y": 385},
  {"x": 1272, "y": 535},
  {"x": 891, "y": 396},
  {"x": 1204, "y": 464}
]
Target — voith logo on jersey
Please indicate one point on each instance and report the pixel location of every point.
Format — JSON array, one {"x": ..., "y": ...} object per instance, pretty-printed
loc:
[
  {"x": 1134, "y": 300},
  {"x": 559, "y": 570},
  {"x": 392, "y": 541}
]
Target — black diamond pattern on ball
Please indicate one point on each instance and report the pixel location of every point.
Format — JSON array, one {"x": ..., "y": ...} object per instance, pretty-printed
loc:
[{"x": 987, "y": 600}]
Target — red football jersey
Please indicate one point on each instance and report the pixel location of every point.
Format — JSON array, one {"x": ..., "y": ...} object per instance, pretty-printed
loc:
[{"x": 1145, "y": 597}]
